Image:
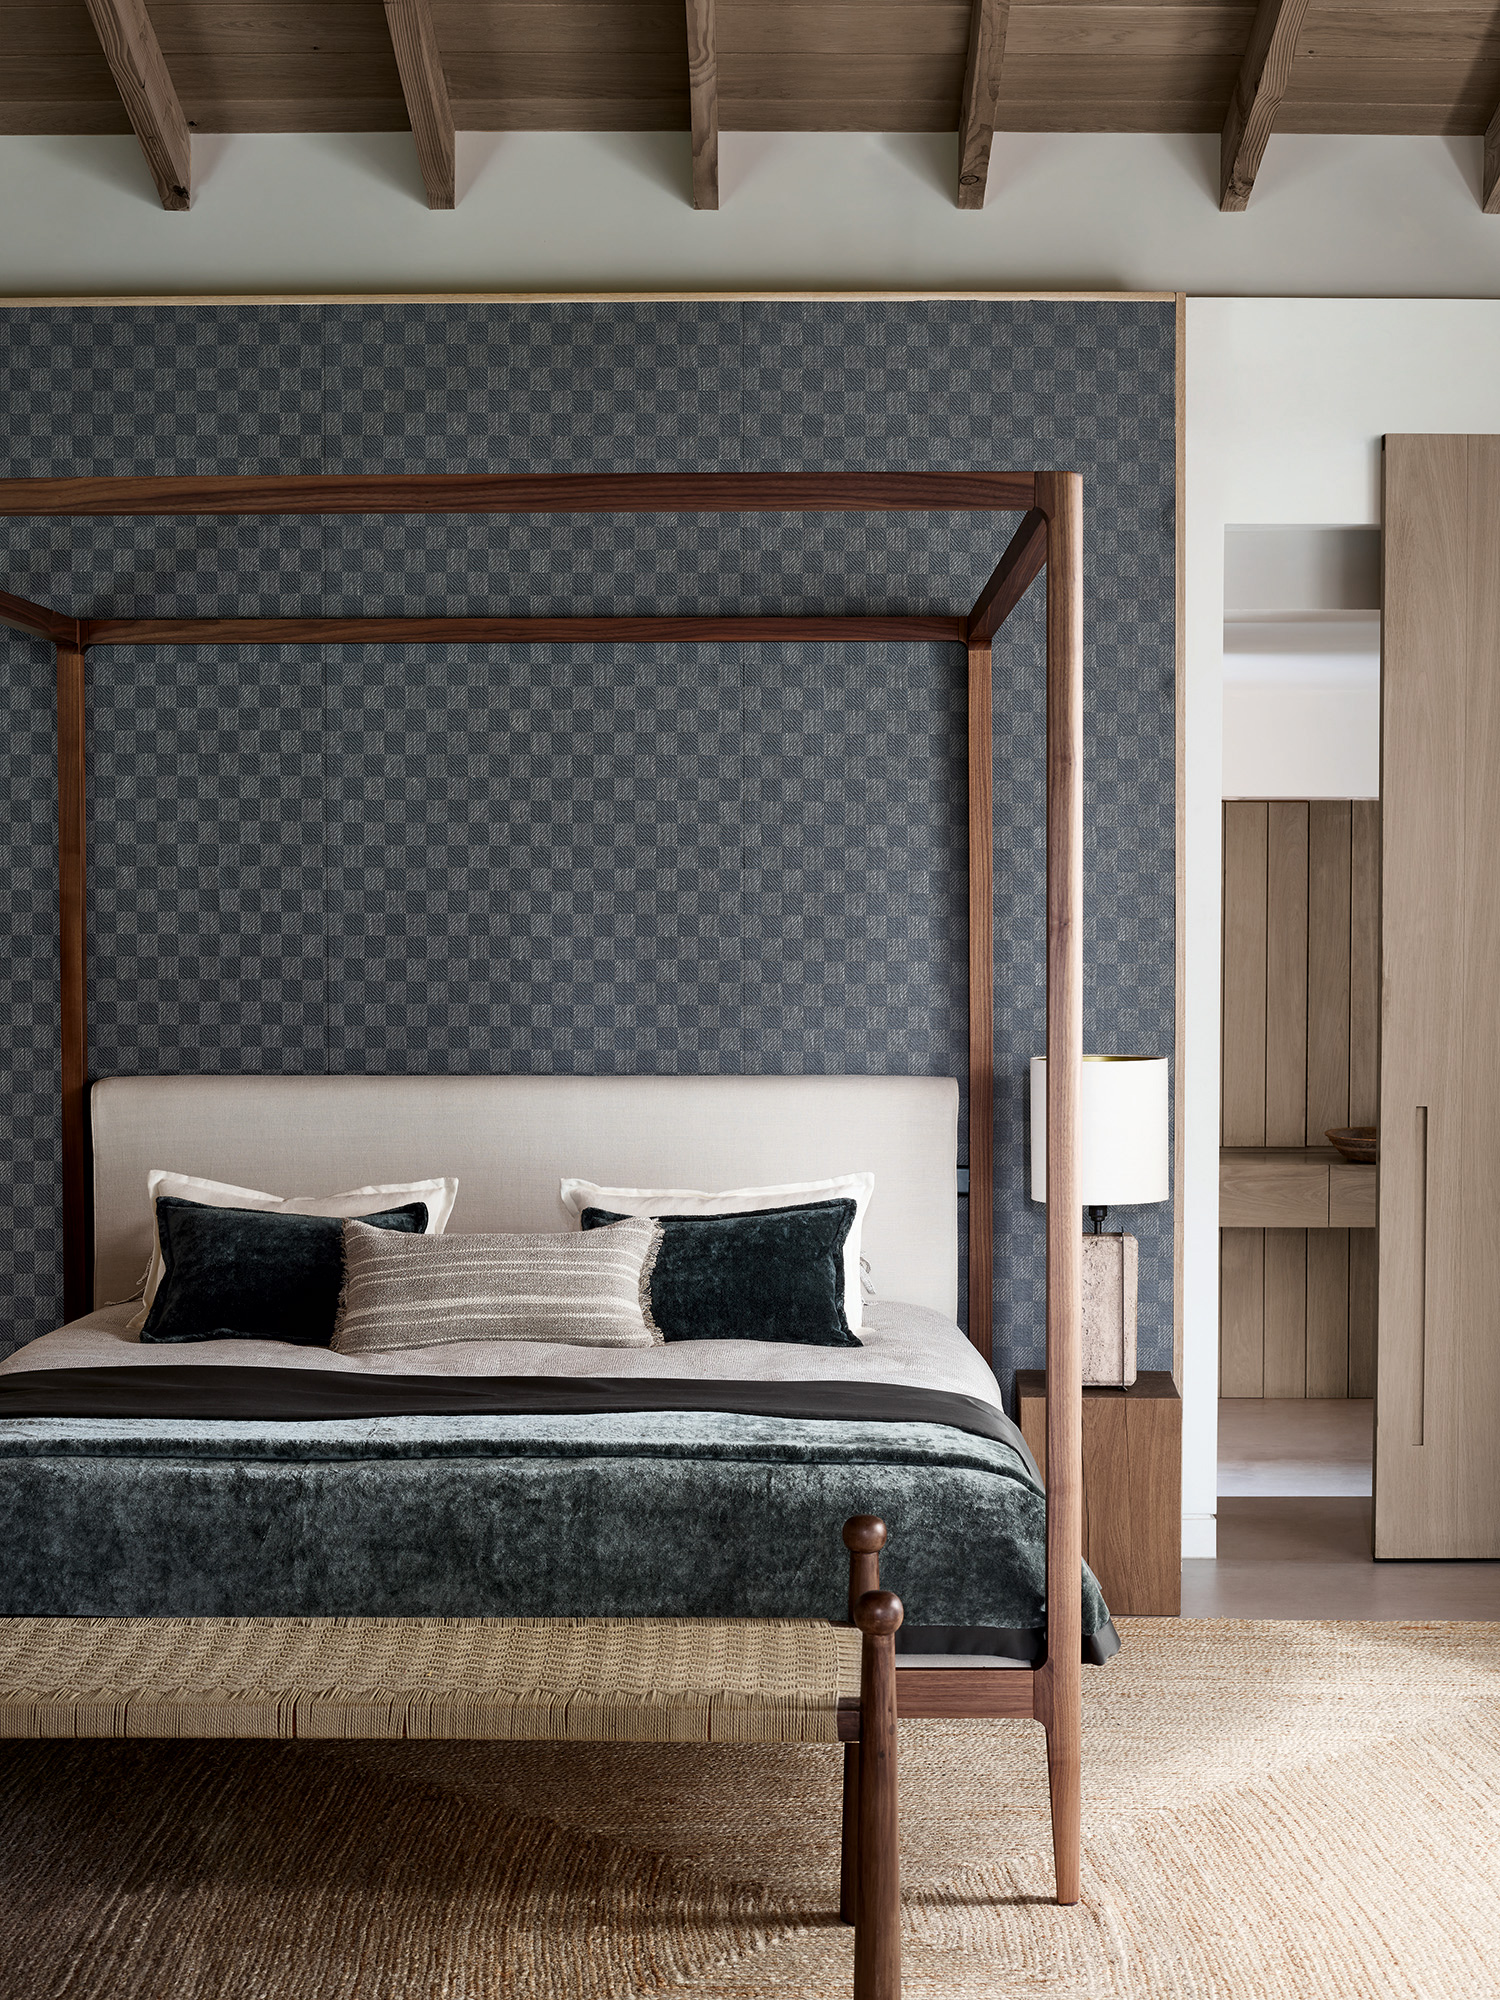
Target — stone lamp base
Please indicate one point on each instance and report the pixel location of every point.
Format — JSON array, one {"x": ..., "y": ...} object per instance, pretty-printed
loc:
[{"x": 1110, "y": 1266}]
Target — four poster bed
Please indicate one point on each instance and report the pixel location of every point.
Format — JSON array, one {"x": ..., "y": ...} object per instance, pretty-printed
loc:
[{"x": 703, "y": 1450}]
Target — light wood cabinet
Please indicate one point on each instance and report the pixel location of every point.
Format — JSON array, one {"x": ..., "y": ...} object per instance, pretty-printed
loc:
[{"x": 1437, "y": 1469}]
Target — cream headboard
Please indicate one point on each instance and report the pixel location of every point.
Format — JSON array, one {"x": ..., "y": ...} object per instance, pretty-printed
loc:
[{"x": 509, "y": 1139}]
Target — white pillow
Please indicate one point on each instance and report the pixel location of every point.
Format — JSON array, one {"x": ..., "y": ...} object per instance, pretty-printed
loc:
[
  {"x": 439, "y": 1196},
  {"x": 858, "y": 1188}
]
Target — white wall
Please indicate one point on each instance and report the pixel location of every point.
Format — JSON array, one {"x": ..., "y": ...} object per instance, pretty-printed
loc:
[
  {"x": 1287, "y": 401},
  {"x": 609, "y": 211},
  {"x": 1303, "y": 738},
  {"x": 1301, "y": 662}
]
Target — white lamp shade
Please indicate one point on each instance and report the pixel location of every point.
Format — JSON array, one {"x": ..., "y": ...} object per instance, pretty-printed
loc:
[{"x": 1122, "y": 1131}]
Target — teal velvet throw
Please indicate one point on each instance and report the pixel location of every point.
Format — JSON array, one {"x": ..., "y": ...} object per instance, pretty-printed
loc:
[{"x": 639, "y": 1514}]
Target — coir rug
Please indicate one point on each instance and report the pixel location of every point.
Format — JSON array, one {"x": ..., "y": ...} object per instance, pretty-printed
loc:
[{"x": 1272, "y": 1811}]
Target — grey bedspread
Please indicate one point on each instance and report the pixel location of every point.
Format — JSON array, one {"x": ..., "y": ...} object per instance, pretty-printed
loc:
[{"x": 628, "y": 1513}]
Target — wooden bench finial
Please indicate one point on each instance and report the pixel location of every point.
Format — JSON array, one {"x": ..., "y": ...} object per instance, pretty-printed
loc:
[
  {"x": 864, "y": 1534},
  {"x": 864, "y": 1538},
  {"x": 879, "y": 1613}
]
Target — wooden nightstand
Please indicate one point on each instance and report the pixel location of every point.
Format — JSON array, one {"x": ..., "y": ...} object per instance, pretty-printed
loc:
[{"x": 1132, "y": 1486}]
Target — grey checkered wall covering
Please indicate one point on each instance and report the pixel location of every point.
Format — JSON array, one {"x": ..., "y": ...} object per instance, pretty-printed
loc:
[{"x": 594, "y": 858}]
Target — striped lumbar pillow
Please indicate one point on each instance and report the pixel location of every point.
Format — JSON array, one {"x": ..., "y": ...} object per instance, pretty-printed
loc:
[{"x": 592, "y": 1291}]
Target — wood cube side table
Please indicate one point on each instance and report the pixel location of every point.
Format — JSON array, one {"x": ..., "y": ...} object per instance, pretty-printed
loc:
[{"x": 1132, "y": 1486}]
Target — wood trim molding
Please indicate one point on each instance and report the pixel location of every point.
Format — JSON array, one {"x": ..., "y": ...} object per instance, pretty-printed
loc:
[
  {"x": 703, "y": 101},
  {"x": 29, "y": 301},
  {"x": 148, "y": 94},
  {"x": 688, "y": 629},
  {"x": 425, "y": 88},
  {"x": 1024, "y": 560},
  {"x": 1490, "y": 189},
  {"x": 1179, "y": 1032},
  {"x": 989, "y": 22},
  {"x": 1258, "y": 92},
  {"x": 528, "y": 493}
]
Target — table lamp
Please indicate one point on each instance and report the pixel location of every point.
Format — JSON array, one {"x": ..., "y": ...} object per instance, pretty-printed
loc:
[{"x": 1122, "y": 1163}]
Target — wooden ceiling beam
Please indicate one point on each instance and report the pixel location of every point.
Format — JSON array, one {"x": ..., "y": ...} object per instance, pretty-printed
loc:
[
  {"x": 989, "y": 22},
  {"x": 146, "y": 90},
  {"x": 703, "y": 100},
  {"x": 1261, "y": 85},
  {"x": 1492, "y": 165},
  {"x": 425, "y": 88}
]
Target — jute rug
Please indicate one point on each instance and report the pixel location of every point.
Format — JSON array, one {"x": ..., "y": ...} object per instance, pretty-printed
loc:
[{"x": 1272, "y": 1812}]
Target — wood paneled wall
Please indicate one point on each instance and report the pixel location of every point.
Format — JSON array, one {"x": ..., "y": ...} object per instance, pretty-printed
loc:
[{"x": 1301, "y": 994}]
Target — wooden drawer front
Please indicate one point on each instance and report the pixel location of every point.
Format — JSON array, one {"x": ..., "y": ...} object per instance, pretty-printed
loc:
[
  {"x": 1272, "y": 1193},
  {"x": 1351, "y": 1197}
]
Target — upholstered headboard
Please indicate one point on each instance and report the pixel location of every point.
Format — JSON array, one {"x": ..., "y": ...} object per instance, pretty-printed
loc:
[{"x": 509, "y": 1139}]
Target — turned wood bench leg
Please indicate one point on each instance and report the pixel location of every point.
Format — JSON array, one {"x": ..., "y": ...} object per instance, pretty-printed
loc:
[
  {"x": 877, "y": 1930},
  {"x": 870, "y": 1871},
  {"x": 864, "y": 1538},
  {"x": 849, "y": 1849}
]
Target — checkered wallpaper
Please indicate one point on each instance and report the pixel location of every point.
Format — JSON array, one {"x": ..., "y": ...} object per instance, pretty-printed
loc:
[{"x": 604, "y": 858}]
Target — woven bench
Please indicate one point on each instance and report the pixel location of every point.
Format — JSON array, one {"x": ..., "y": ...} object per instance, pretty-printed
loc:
[{"x": 617, "y": 1680}]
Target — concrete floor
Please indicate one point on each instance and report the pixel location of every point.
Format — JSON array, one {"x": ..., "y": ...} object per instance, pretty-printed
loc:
[{"x": 1295, "y": 1527}]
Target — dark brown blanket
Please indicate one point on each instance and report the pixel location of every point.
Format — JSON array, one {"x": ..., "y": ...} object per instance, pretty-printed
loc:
[{"x": 309, "y": 1395}]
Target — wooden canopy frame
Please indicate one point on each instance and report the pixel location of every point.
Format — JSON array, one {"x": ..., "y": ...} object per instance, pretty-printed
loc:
[{"x": 1049, "y": 537}]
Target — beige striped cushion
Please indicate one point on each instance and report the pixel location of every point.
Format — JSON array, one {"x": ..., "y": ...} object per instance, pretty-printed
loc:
[{"x": 592, "y": 1290}]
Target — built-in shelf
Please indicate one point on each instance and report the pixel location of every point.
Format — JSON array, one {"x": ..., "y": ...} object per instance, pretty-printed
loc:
[{"x": 1293, "y": 1187}]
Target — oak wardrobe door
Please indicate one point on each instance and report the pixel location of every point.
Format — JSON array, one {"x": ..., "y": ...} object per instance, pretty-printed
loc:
[{"x": 1437, "y": 1446}]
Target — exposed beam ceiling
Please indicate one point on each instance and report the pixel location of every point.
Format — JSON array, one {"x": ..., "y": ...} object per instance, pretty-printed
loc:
[
  {"x": 425, "y": 88},
  {"x": 950, "y": 66},
  {"x": 988, "y": 22},
  {"x": 703, "y": 101},
  {"x": 1492, "y": 165},
  {"x": 1263, "y": 78},
  {"x": 145, "y": 86}
]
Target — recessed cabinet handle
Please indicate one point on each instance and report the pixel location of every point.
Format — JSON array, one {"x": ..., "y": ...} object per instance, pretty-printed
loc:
[{"x": 1419, "y": 1404}]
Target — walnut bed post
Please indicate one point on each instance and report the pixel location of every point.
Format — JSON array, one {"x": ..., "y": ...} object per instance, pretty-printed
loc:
[
  {"x": 981, "y": 996},
  {"x": 72, "y": 898},
  {"x": 1059, "y": 1682}
]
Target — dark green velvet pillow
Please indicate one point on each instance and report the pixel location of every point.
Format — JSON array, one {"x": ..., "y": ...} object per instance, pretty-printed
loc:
[
  {"x": 254, "y": 1274},
  {"x": 775, "y": 1275}
]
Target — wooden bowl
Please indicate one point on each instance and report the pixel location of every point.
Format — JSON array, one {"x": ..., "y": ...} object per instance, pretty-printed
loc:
[{"x": 1355, "y": 1142}]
